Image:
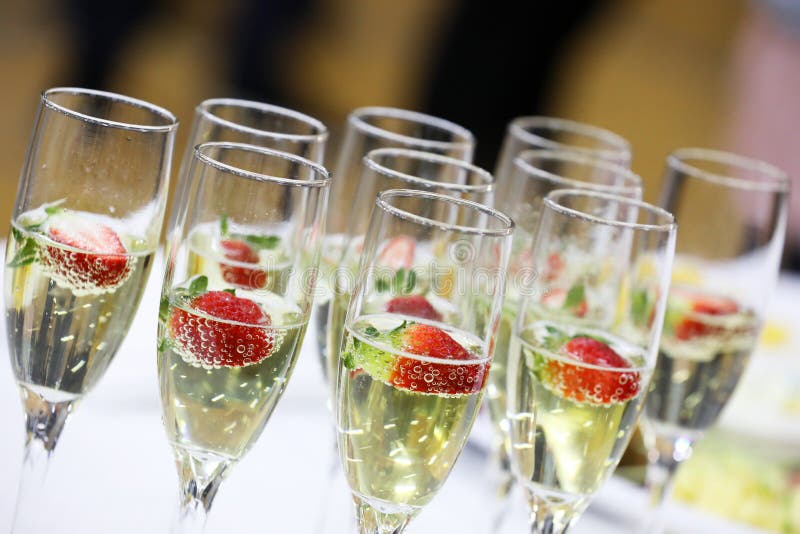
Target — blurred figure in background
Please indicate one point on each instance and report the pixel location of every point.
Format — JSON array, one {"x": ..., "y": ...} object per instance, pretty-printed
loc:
[
  {"x": 496, "y": 61},
  {"x": 766, "y": 104}
]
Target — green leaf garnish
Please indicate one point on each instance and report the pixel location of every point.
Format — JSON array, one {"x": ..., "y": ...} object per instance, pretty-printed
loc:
[
  {"x": 371, "y": 331},
  {"x": 575, "y": 296},
  {"x": 54, "y": 207},
  {"x": 230, "y": 290},
  {"x": 198, "y": 286},
  {"x": 163, "y": 344},
  {"x": 356, "y": 342},
  {"x": 267, "y": 242},
  {"x": 25, "y": 255},
  {"x": 348, "y": 360},
  {"x": 18, "y": 236},
  {"x": 223, "y": 224},
  {"x": 399, "y": 328},
  {"x": 163, "y": 309}
]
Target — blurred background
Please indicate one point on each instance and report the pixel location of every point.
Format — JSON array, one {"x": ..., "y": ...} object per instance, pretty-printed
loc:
[{"x": 662, "y": 73}]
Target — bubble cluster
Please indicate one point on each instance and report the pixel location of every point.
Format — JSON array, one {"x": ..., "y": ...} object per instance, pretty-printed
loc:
[
  {"x": 205, "y": 341},
  {"x": 584, "y": 384},
  {"x": 86, "y": 273}
]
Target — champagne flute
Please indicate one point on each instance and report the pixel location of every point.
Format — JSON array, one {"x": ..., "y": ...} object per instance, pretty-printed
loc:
[
  {"x": 86, "y": 224},
  {"x": 395, "y": 168},
  {"x": 534, "y": 174},
  {"x": 413, "y": 367},
  {"x": 733, "y": 213},
  {"x": 230, "y": 330},
  {"x": 584, "y": 346},
  {"x": 367, "y": 129},
  {"x": 550, "y": 133},
  {"x": 254, "y": 123}
]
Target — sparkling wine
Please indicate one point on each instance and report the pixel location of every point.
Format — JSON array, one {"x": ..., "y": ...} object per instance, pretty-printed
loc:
[
  {"x": 565, "y": 440},
  {"x": 702, "y": 356},
  {"x": 214, "y": 405},
  {"x": 399, "y": 444},
  {"x": 65, "y": 315}
]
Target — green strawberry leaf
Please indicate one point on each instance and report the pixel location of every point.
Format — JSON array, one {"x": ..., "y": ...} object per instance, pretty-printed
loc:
[
  {"x": 163, "y": 344},
  {"x": 400, "y": 328},
  {"x": 371, "y": 331},
  {"x": 223, "y": 224},
  {"x": 25, "y": 255},
  {"x": 348, "y": 360},
  {"x": 163, "y": 309},
  {"x": 575, "y": 296},
  {"x": 230, "y": 290},
  {"x": 198, "y": 286},
  {"x": 267, "y": 242},
  {"x": 54, "y": 207}
]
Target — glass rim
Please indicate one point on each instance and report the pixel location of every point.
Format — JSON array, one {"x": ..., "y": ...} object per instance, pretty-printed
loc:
[
  {"x": 357, "y": 117},
  {"x": 163, "y": 113},
  {"x": 551, "y": 201},
  {"x": 244, "y": 173},
  {"x": 488, "y": 186},
  {"x": 321, "y": 135},
  {"x": 777, "y": 180},
  {"x": 581, "y": 158},
  {"x": 382, "y": 201},
  {"x": 619, "y": 147}
]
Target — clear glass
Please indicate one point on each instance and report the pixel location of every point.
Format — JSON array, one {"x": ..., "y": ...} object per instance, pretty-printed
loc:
[
  {"x": 584, "y": 346},
  {"x": 549, "y": 133},
  {"x": 391, "y": 168},
  {"x": 534, "y": 174},
  {"x": 237, "y": 293},
  {"x": 368, "y": 129},
  {"x": 417, "y": 346},
  {"x": 86, "y": 224},
  {"x": 733, "y": 213}
]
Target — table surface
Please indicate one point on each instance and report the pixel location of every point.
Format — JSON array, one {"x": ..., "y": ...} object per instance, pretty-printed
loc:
[{"x": 113, "y": 470}]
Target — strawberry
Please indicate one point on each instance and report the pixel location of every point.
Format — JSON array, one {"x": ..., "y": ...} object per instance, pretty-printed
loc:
[
  {"x": 555, "y": 265},
  {"x": 398, "y": 253},
  {"x": 572, "y": 300},
  {"x": 243, "y": 277},
  {"x": 582, "y": 383},
  {"x": 101, "y": 264},
  {"x": 231, "y": 332},
  {"x": 414, "y": 305},
  {"x": 436, "y": 378},
  {"x": 684, "y": 301}
]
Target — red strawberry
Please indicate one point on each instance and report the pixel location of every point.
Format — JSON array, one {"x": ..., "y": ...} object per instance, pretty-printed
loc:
[
  {"x": 398, "y": 253},
  {"x": 689, "y": 328},
  {"x": 590, "y": 384},
  {"x": 102, "y": 266},
  {"x": 414, "y": 305},
  {"x": 555, "y": 264},
  {"x": 228, "y": 342},
  {"x": 438, "y": 378},
  {"x": 557, "y": 296},
  {"x": 243, "y": 277}
]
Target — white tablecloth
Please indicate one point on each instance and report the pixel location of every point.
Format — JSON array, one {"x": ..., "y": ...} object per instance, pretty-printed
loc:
[{"x": 113, "y": 470}]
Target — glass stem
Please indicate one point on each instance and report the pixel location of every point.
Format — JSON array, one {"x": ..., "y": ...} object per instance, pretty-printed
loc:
[
  {"x": 550, "y": 518},
  {"x": 374, "y": 521},
  {"x": 44, "y": 422},
  {"x": 200, "y": 478},
  {"x": 663, "y": 460}
]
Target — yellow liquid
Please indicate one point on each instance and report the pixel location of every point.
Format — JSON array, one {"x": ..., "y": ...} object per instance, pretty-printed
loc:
[
  {"x": 562, "y": 448},
  {"x": 398, "y": 446}
]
